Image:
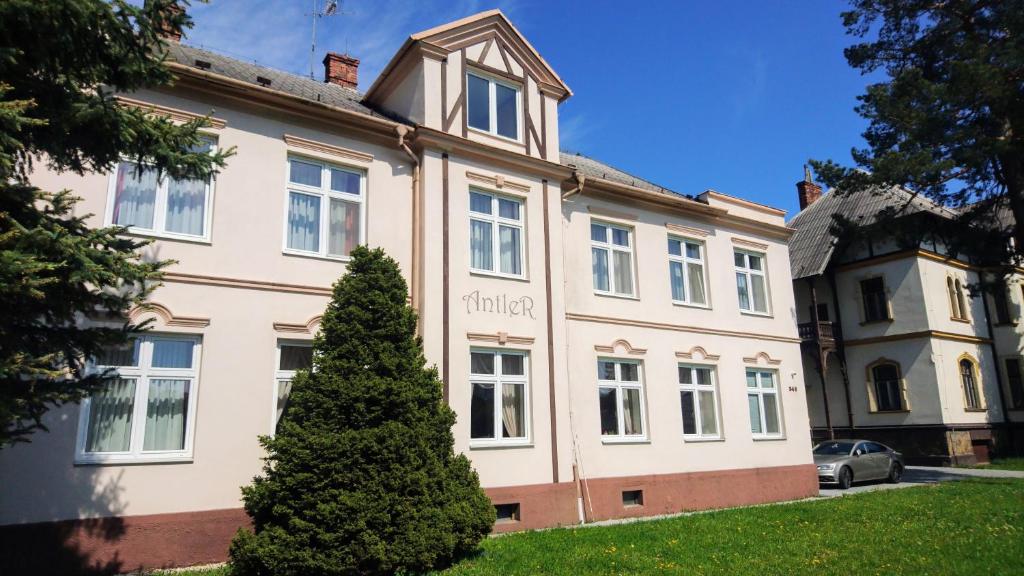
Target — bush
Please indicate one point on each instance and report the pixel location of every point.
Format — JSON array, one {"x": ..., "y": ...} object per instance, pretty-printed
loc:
[{"x": 362, "y": 477}]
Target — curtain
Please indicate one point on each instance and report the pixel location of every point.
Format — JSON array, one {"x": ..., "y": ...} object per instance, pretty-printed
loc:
[
  {"x": 695, "y": 277},
  {"x": 760, "y": 294},
  {"x": 708, "y": 417},
  {"x": 754, "y": 406},
  {"x": 172, "y": 353},
  {"x": 303, "y": 222},
  {"x": 134, "y": 196},
  {"x": 110, "y": 417},
  {"x": 481, "y": 251},
  {"x": 512, "y": 408},
  {"x": 511, "y": 255},
  {"x": 165, "y": 414},
  {"x": 675, "y": 272},
  {"x": 600, "y": 268},
  {"x": 771, "y": 414},
  {"x": 284, "y": 388},
  {"x": 623, "y": 272},
  {"x": 741, "y": 290},
  {"x": 631, "y": 412},
  {"x": 186, "y": 206},
  {"x": 343, "y": 232},
  {"x": 345, "y": 181}
]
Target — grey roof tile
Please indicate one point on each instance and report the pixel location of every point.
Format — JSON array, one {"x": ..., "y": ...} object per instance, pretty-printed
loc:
[{"x": 597, "y": 169}]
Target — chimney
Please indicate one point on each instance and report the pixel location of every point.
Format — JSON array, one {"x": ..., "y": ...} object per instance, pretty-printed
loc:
[
  {"x": 341, "y": 69},
  {"x": 807, "y": 190},
  {"x": 165, "y": 30}
]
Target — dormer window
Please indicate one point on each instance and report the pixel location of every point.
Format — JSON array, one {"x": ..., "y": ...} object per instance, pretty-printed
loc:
[{"x": 493, "y": 105}]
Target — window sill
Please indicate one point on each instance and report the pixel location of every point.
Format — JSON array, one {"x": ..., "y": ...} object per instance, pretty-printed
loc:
[
  {"x": 768, "y": 438},
  {"x": 619, "y": 296},
  {"x": 961, "y": 320},
  {"x": 498, "y": 137},
  {"x": 976, "y": 410},
  {"x": 315, "y": 256},
  {"x": 698, "y": 439},
  {"x": 879, "y": 321},
  {"x": 169, "y": 236},
  {"x": 618, "y": 440},
  {"x": 131, "y": 460},
  {"x": 688, "y": 305},
  {"x": 494, "y": 444},
  {"x": 756, "y": 314},
  {"x": 888, "y": 411},
  {"x": 498, "y": 275}
]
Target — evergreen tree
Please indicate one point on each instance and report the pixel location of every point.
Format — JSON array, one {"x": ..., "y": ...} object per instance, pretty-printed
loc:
[
  {"x": 947, "y": 118},
  {"x": 60, "y": 65},
  {"x": 361, "y": 477}
]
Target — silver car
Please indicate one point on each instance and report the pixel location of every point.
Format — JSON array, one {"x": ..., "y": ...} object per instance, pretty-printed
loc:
[{"x": 844, "y": 462}]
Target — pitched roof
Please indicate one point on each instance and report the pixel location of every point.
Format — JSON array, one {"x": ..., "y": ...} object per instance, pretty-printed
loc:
[
  {"x": 292, "y": 84},
  {"x": 813, "y": 244},
  {"x": 597, "y": 169}
]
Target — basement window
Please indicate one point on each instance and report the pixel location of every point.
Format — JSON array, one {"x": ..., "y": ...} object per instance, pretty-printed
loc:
[
  {"x": 631, "y": 498},
  {"x": 507, "y": 512}
]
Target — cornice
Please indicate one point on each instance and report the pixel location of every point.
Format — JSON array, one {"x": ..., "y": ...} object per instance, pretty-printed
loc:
[
  {"x": 936, "y": 334},
  {"x": 172, "y": 113},
  {"x": 425, "y": 137},
  {"x": 677, "y": 327}
]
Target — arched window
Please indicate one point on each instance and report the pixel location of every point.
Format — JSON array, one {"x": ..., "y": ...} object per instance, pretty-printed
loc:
[
  {"x": 960, "y": 300},
  {"x": 954, "y": 304},
  {"x": 968, "y": 377},
  {"x": 885, "y": 386}
]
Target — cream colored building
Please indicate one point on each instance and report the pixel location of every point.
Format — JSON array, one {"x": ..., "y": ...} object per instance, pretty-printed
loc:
[
  {"x": 900, "y": 346},
  {"x": 611, "y": 348}
]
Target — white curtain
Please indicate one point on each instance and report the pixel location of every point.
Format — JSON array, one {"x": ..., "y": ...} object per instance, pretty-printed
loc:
[
  {"x": 172, "y": 353},
  {"x": 760, "y": 294},
  {"x": 741, "y": 290},
  {"x": 110, "y": 417},
  {"x": 675, "y": 270},
  {"x": 511, "y": 255},
  {"x": 134, "y": 196},
  {"x": 165, "y": 414},
  {"x": 695, "y": 277},
  {"x": 481, "y": 249},
  {"x": 284, "y": 388},
  {"x": 512, "y": 410},
  {"x": 631, "y": 411},
  {"x": 623, "y": 272},
  {"x": 344, "y": 227},
  {"x": 303, "y": 222},
  {"x": 754, "y": 405},
  {"x": 186, "y": 206},
  {"x": 600, "y": 267},
  {"x": 708, "y": 417},
  {"x": 771, "y": 414}
]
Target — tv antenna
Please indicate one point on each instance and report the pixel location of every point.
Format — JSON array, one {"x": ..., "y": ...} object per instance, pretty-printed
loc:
[{"x": 330, "y": 8}]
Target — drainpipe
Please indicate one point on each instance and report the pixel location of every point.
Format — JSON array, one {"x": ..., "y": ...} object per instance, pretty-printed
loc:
[
  {"x": 417, "y": 244},
  {"x": 580, "y": 179}
]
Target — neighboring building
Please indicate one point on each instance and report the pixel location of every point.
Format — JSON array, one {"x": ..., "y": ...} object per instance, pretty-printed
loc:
[
  {"x": 900, "y": 347},
  {"x": 587, "y": 324}
]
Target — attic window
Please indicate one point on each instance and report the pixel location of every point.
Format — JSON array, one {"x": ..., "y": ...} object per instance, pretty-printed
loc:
[
  {"x": 202, "y": 64},
  {"x": 263, "y": 81},
  {"x": 493, "y": 105}
]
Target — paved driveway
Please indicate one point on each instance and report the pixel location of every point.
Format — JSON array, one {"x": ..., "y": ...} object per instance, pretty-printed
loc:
[{"x": 918, "y": 475}]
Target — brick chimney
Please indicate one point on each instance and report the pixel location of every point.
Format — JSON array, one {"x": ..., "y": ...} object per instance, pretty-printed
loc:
[
  {"x": 341, "y": 69},
  {"x": 807, "y": 190},
  {"x": 165, "y": 30}
]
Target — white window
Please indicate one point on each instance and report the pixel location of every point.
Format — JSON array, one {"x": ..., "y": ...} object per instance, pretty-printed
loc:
[
  {"x": 498, "y": 405},
  {"x": 611, "y": 249},
  {"x": 324, "y": 209},
  {"x": 162, "y": 206},
  {"x": 620, "y": 396},
  {"x": 493, "y": 105},
  {"x": 292, "y": 356},
  {"x": 763, "y": 403},
  {"x": 686, "y": 271},
  {"x": 699, "y": 401},
  {"x": 148, "y": 412},
  {"x": 751, "y": 286},
  {"x": 495, "y": 234}
]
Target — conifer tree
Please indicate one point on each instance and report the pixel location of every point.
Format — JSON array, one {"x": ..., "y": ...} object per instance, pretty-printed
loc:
[{"x": 361, "y": 476}]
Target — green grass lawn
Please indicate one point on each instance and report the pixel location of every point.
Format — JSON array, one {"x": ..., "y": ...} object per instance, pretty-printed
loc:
[
  {"x": 1004, "y": 464},
  {"x": 971, "y": 527}
]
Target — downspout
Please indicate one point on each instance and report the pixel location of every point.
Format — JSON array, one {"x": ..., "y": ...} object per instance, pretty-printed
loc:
[
  {"x": 417, "y": 243},
  {"x": 580, "y": 178}
]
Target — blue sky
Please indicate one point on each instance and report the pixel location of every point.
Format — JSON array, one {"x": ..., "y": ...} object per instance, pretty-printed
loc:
[{"x": 726, "y": 94}]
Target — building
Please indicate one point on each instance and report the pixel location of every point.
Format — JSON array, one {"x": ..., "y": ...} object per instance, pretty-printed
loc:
[
  {"x": 635, "y": 377},
  {"x": 900, "y": 345}
]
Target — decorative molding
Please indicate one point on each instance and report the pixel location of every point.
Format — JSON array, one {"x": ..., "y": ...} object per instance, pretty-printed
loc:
[
  {"x": 762, "y": 357},
  {"x": 175, "y": 114},
  {"x": 687, "y": 231},
  {"x": 937, "y": 334},
  {"x": 698, "y": 353},
  {"x": 677, "y": 327},
  {"x": 310, "y": 326},
  {"x": 609, "y": 213},
  {"x": 182, "y": 278},
  {"x": 166, "y": 316},
  {"x": 902, "y": 254},
  {"x": 749, "y": 244},
  {"x": 497, "y": 181},
  {"x": 624, "y": 345},
  {"x": 329, "y": 149},
  {"x": 500, "y": 337}
]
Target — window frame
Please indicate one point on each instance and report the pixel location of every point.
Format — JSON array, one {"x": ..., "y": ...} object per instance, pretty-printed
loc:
[
  {"x": 1015, "y": 401},
  {"x": 748, "y": 272},
  {"x": 325, "y": 194},
  {"x": 685, "y": 262},
  {"x": 495, "y": 220},
  {"x": 492, "y": 105},
  {"x": 282, "y": 375},
  {"x": 886, "y": 308},
  {"x": 142, "y": 373},
  {"x": 761, "y": 391},
  {"x": 619, "y": 385},
  {"x": 498, "y": 379},
  {"x": 159, "y": 229},
  {"x": 875, "y": 406},
  {"x": 610, "y": 247},
  {"x": 696, "y": 389},
  {"x": 975, "y": 375}
]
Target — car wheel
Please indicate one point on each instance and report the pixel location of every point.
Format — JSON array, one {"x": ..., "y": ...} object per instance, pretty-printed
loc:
[
  {"x": 895, "y": 473},
  {"x": 845, "y": 478}
]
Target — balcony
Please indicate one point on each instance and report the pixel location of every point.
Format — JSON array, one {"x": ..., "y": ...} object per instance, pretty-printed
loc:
[{"x": 823, "y": 334}]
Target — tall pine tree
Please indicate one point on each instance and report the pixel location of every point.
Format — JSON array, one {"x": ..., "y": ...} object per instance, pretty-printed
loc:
[{"x": 361, "y": 477}]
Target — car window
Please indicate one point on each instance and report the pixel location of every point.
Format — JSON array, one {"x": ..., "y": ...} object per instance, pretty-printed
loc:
[
  {"x": 876, "y": 448},
  {"x": 833, "y": 448},
  {"x": 860, "y": 448}
]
